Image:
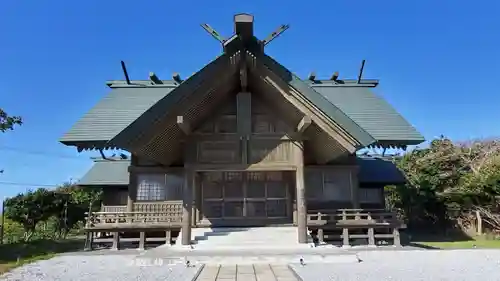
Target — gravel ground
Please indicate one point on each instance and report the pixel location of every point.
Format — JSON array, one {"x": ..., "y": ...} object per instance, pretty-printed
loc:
[
  {"x": 428, "y": 265},
  {"x": 102, "y": 268}
]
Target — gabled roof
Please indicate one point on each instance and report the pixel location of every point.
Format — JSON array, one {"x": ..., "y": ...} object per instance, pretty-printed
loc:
[
  {"x": 122, "y": 106},
  {"x": 371, "y": 112},
  {"x": 380, "y": 170},
  {"x": 107, "y": 172},
  {"x": 371, "y": 170},
  {"x": 320, "y": 101},
  {"x": 129, "y": 116},
  {"x": 113, "y": 113},
  {"x": 166, "y": 103}
]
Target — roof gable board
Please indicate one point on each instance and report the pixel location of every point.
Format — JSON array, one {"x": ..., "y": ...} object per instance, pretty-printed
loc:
[
  {"x": 164, "y": 104},
  {"x": 323, "y": 104}
]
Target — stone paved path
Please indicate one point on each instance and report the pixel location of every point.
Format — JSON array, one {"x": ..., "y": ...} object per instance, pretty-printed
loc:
[{"x": 247, "y": 272}]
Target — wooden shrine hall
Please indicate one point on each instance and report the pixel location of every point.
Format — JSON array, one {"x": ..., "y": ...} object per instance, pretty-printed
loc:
[{"x": 242, "y": 142}]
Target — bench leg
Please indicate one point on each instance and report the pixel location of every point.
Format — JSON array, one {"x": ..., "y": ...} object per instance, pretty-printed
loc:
[
  {"x": 345, "y": 238},
  {"x": 142, "y": 240},
  {"x": 371, "y": 237},
  {"x": 168, "y": 237},
  {"x": 321, "y": 236},
  {"x": 116, "y": 241},
  {"x": 397, "y": 238}
]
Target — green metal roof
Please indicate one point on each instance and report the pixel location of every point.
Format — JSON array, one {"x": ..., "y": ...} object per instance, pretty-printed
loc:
[
  {"x": 372, "y": 113},
  {"x": 166, "y": 103},
  {"x": 122, "y": 106},
  {"x": 379, "y": 170},
  {"x": 371, "y": 170},
  {"x": 115, "y": 112},
  {"x": 121, "y": 117},
  {"x": 321, "y": 102},
  {"x": 107, "y": 172}
]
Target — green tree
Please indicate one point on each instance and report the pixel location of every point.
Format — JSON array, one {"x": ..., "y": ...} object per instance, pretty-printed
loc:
[
  {"x": 446, "y": 181},
  {"x": 72, "y": 202},
  {"x": 29, "y": 209},
  {"x": 8, "y": 122}
]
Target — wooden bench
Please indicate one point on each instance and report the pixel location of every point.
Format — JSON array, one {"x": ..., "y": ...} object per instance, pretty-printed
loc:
[
  {"x": 119, "y": 222},
  {"x": 372, "y": 223}
]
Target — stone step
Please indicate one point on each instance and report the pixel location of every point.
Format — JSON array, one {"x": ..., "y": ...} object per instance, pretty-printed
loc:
[
  {"x": 250, "y": 247},
  {"x": 270, "y": 259}
]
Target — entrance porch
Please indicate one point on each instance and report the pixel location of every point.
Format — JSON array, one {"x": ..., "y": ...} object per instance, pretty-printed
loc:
[
  {"x": 243, "y": 198},
  {"x": 237, "y": 198}
]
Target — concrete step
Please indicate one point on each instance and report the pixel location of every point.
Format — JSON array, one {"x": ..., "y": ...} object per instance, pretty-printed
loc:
[{"x": 245, "y": 238}]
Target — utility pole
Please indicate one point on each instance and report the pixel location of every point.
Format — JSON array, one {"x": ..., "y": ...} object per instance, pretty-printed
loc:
[{"x": 2, "y": 227}]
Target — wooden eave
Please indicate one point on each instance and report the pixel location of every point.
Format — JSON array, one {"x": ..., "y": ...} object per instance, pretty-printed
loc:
[
  {"x": 91, "y": 145},
  {"x": 323, "y": 107},
  {"x": 155, "y": 134}
]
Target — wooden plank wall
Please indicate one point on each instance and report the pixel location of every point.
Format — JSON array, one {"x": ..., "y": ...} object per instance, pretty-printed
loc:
[{"x": 331, "y": 187}]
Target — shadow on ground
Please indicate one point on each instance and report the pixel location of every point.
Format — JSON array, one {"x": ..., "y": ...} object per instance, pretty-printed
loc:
[
  {"x": 12, "y": 253},
  {"x": 421, "y": 239}
]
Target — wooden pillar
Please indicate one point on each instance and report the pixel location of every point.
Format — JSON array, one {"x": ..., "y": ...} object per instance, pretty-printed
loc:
[
  {"x": 301, "y": 193},
  {"x": 142, "y": 240},
  {"x": 187, "y": 204},
  {"x": 195, "y": 202},
  {"x": 132, "y": 186},
  {"x": 116, "y": 241},
  {"x": 289, "y": 199},
  {"x": 301, "y": 206},
  {"x": 244, "y": 121},
  {"x": 354, "y": 188}
]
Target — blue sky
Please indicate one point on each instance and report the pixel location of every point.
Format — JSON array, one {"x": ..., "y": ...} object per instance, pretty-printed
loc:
[{"x": 438, "y": 62}]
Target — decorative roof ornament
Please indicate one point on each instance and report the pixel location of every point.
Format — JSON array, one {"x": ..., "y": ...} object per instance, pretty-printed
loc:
[
  {"x": 361, "y": 71},
  {"x": 243, "y": 33}
]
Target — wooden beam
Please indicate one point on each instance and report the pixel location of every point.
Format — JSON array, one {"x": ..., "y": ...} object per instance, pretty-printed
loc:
[
  {"x": 335, "y": 76},
  {"x": 177, "y": 78},
  {"x": 125, "y": 72},
  {"x": 361, "y": 71},
  {"x": 312, "y": 76},
  {"x": 213, "y": 32},
  {"x": 184, "y": 125},
  {"x": 243, "y": 26},
  {"x": 275, "y": 34},
  {"x": 154, "y": 78},
  {"x": 243, "y": 76},
  {"x": 304, "y": 124}
]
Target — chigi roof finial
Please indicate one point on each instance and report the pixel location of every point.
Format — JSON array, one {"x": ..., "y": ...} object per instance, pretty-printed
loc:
[{"x": 361, "y": 71}]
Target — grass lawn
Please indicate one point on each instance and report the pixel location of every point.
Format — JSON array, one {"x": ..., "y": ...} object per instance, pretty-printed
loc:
[
  {"x": 479, "y": 242},
  {"x": 17, "y": 254}
]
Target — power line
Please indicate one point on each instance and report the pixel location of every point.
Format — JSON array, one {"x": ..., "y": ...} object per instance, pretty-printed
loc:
[
  {"x": 42, "y": 153},
  {"x": 28, "y": 184}
]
